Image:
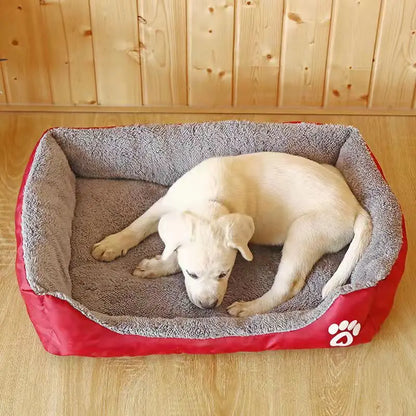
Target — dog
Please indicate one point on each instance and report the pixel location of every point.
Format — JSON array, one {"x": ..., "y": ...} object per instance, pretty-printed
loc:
[{"x": 214, "y": 210}]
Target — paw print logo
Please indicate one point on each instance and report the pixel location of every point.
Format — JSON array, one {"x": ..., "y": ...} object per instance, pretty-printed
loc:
[{"x": 344, "y": 333}]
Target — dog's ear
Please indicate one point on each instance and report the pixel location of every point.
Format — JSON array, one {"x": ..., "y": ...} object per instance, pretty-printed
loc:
[
  {"x": 175, "y": 229},
  {"x": 238, "y": 229}
]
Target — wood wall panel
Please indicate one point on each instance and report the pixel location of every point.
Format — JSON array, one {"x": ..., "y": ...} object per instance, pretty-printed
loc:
[
  {"x": 234, "y": 55},
  {"x": 21, "y": 42},
  {"x": 56, "y": 51},
  {"x": 116, "y": 52},
  {"x": 257, "y": 51},
  {"x": 350, "y": 57},
  {"x": 78, "y": 36},
  {"x": 210, "y": 52},
  {"x": 304, "y": 50},
  {"x": 3, "y": 94},
  {"x": 162, "y": 25},
  {"x": 395, "y": 61}
]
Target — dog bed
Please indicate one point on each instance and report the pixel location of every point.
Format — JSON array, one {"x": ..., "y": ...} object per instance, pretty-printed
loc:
[{"x": 83, "y": 184}]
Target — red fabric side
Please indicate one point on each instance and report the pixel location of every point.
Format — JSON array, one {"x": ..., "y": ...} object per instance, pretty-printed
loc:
[{"x": 65, "y": 331}]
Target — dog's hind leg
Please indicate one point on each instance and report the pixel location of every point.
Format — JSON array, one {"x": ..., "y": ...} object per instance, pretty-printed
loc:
[
  {"x": 157, "y": 267},
  {"x": 119, "y": 244},
  {"x": 308, "y": 239}
]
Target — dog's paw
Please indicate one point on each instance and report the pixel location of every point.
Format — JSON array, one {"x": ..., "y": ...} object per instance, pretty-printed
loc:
[
  {"x": 150, "y": 268},
  {"x": 110, "y": 248},
  {"x": 243, "y": 309},
  {"x": 328, "y": 288}
]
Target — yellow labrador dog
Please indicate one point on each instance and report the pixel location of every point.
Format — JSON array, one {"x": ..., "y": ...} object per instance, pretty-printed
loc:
[{"x": 222, "y": 204}]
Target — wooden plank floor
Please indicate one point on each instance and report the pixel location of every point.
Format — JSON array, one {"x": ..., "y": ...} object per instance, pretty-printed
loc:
[{"x": 374, "y": 379}]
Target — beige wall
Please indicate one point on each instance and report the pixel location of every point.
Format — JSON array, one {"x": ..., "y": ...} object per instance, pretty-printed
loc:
[{"x": 252, "y": 54}]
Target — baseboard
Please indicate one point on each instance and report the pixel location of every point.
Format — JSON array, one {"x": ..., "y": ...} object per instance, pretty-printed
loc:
[{"x": 207, "y": 110}]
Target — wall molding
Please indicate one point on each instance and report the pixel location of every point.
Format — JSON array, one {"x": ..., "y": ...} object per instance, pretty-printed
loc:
[{"x": 205, "y": 110}]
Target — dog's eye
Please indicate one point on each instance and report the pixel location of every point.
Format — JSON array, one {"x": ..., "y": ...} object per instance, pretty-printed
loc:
[
  {"x": 222, "y": 275},
  {"x": 193, "y": 275}
]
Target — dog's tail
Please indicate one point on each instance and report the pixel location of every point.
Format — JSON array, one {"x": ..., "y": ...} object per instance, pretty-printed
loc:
[{"x": 362, "y": 237}]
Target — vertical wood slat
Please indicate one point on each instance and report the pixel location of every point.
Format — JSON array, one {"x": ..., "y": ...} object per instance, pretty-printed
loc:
[
  {"x": 257, "y": 51},
  {"x": 394, "y": 74},
  {"x": 162, "y": 27},
  {"x": 21, "y": 43},
  {"x": 78, "y": 35},
  {"x": 56, "y": 51},
  {"x": 351, "y": 51},
  {"x": 414, "y": 99},
  {"x": 304, "y": 51},
  {"x": 67, "y": 37},
  {"x": 3, "y": 94},
  {"x": 210, "y": 52},
  {"x": 116, "y": 52}
]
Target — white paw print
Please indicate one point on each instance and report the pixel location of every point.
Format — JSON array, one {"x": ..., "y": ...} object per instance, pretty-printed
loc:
[{"x": 344, "y": 338}]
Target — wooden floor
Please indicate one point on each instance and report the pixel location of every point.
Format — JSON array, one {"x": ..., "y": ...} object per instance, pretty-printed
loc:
[{"x": 374, "y": 379}]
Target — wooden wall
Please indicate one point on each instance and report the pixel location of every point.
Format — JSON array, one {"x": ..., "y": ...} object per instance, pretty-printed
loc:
[{"x": 256, "y": 54}]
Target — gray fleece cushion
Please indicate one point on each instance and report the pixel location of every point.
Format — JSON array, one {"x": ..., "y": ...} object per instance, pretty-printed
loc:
[{"x": 87, "y": 183}]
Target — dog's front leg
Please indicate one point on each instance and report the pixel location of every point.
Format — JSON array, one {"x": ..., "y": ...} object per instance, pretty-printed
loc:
[
  {"x": 157, "y": 267},
  {"x": 304, "y": 246},
  {"x": 119, "y": 244}
]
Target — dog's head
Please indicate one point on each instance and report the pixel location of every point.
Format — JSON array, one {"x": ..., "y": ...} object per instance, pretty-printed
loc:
[{"x": 207, "y": 251}]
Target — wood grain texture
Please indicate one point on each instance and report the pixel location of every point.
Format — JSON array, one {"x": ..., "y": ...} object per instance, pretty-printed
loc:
[
  {"x": 394, "y": 74},
  {"x": 78, "y": 37},
  {"x": 56, "y": 51},
  {"x": 21, "y": 42},
  {"x": 372, "y": 379},
  {"x": 351, "y": 50},
  {"x": 3, "y": 93},
  {"x": 116, "y": 52},
  {"x": 258, "y": 28},
  {"x": 304, "y": 52},
  {"x": 225, "y": 110},
  {"x": 210, "y": 52},
  {"x": 162, "y": 25}
]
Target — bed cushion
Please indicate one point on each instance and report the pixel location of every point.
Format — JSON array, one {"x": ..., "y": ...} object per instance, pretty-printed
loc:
[{"x": 83, "y": 184}]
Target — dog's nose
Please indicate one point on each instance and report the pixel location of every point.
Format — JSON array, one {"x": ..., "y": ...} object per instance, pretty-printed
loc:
[{"x": 211, "y": 305}]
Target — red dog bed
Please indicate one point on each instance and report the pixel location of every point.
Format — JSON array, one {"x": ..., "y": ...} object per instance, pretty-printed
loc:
[{"x": 72, "y": 188}]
